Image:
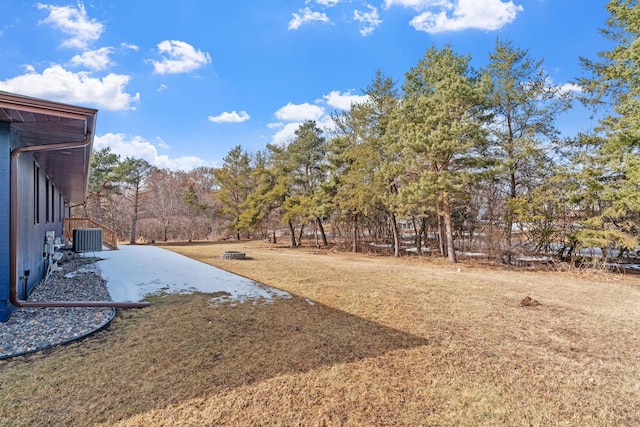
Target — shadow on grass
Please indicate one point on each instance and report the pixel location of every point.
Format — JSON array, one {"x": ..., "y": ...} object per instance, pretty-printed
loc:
[{"x": 181, "y": 348}]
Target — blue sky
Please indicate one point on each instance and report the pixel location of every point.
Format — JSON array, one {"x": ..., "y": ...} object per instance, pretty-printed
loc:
[{"x": 181, "y": 84}]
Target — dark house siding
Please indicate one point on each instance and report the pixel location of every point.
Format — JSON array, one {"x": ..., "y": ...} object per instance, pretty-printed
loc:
[
  {"x": 36, "y": 218},
  {"x": 51, "y": 169},
  {"x": 4, "y": 221}
]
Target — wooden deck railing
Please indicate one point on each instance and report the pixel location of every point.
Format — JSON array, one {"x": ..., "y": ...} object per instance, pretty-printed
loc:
[{"x": 109, "y": 236}]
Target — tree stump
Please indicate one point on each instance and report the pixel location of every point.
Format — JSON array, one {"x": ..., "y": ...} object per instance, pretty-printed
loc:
[{"x": 233, "y": 255}]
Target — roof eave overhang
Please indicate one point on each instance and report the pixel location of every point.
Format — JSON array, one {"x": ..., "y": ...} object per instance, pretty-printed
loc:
[{"x": 39, "y": 123}]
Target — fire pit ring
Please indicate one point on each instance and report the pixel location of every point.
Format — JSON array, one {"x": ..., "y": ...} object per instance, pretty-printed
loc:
[{"x": 233, "y": 255}]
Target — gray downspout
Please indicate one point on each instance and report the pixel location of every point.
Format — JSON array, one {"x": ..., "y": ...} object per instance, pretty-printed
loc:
[{"x": 13, "y": 236}]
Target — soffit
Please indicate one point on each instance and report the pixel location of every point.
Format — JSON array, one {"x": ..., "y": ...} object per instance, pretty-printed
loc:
[{"x": 39, "y": 122}]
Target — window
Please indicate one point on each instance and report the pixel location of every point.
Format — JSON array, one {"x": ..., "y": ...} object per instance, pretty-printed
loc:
[
  {"x": 53, "y": 203},
  {"x": 36, "y": 194},
  {"x": 47, "y": 200}
]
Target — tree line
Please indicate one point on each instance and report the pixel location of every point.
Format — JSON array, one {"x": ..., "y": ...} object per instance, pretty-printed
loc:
[{"x": 453, "y": 159}]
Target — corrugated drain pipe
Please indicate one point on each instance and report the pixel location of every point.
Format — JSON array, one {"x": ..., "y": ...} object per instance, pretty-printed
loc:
[{"x": 13, "y": 237}]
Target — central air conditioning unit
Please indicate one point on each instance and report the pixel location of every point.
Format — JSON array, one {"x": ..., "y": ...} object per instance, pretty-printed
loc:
[{"x": 87, "y": 239}]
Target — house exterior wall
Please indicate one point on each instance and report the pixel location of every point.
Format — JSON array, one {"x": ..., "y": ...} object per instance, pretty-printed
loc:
[
  {"x": 4, "y": 221},
  {"x": 39, "y": 211}
]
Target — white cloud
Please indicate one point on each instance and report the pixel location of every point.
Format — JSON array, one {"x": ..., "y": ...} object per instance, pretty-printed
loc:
[
  {"x": 140, "y": 148},
  {"x": 286, "y": 134},
  {"x": 181, "y": 58},
  {"x": 129, "y": 46},
  {"x": 59, "y": 84},
  {"x": 161, "y": 143},
  {"x": 570, "y": 87},
  {"x": 93, "y": 59},
  {"x": 563, "y": 88},
  {"x": 231, "y": 117},
  {"x": 127, "y": 146},
  {"x": 419, "y": 4},
  {"x": 184, "y": 163},
  {"x": 161, "y": 87},
  {"x": 296, "y": 115},
  {"x": 306, "y": 16},
  {"x": 343, "y": 100},
  {"x": 487, "y": 15},
  {"x": 456, "y": 15},
  {"x": 74, "y": 22},
  {"x": 326, "y": 123},
  {"x": 369, "y": 20},
  {"x": 299, "y": 112},
  {"x": 431, "y": 16}
]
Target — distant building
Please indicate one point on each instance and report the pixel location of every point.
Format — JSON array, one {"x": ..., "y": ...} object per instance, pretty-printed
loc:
[{"x": 45, "y": 153}]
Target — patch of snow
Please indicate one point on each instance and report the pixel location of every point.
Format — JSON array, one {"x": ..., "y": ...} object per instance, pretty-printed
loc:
[
  {"x": 415, "y": 249},
  {"x": 625, "y": 266},
  {"x": 472, "y": 254},
  {"x": 80, "y": 271},
  {"x": 134, "y": 272},
  {"x": 524, "y": 258},
  {"x": 381, "y": 245}
]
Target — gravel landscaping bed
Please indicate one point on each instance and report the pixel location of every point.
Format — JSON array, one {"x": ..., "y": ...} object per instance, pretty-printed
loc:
[{"x": 33, "y": 329}]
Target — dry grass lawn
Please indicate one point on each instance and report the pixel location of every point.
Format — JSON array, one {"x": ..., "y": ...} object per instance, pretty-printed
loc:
[{"x": 366, "y": 340}]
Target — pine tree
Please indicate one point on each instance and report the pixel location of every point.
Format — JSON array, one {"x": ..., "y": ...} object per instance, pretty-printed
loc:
[
  {"x": 525, "y": 106},
  {"x": 233, "y": 180},
  {"x": 302, "y": 171},
  {"x": 133, "y": 173},
  {"x": 102, "y": 179},
  {"x": 440, "y": 130},
  {"x": 367, "y": 174},
  {"x": 612, "y": 87}
]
